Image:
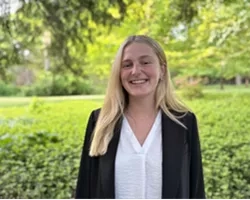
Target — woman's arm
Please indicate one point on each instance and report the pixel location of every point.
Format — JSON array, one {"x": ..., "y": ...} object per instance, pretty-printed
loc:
[{"x": 83, "y": 181}]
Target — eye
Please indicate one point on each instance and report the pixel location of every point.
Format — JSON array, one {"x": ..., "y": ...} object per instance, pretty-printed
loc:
[
  {"x": 146, "y": 62},
  {"x": 126, "y": 65}
]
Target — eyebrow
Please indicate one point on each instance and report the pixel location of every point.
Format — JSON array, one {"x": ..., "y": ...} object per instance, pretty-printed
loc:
[{"x": 141, "y": 57}]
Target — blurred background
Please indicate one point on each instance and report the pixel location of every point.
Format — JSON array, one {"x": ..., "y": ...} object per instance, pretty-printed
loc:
[
  {"x": 55, "y": 58},
  {"x": 54, "y": 47}
]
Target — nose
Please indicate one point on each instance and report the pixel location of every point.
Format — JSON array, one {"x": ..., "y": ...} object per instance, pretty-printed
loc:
[{"x": 136, "y": 69}]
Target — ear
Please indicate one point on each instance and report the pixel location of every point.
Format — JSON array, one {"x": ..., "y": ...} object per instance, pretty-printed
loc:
[{"x": 163, "y": 70}]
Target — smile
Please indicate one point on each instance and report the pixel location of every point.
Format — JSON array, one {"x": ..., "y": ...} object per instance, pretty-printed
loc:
[{"x": 141, "y": 81}]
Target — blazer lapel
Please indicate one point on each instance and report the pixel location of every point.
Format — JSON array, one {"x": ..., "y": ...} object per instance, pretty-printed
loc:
[
  {"x": 107, "y": 165},
  {"x": 173, "y": 138}
]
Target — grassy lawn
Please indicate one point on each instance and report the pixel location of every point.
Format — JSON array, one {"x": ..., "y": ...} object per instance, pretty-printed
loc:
[
  {"x": 227, "y": 88},
  {"x": 41, "y": 143},
  {"x": 22, "y": 101}
]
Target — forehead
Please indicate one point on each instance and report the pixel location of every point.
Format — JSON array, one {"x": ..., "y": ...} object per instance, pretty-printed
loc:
[{"x": 136, "y": 50}]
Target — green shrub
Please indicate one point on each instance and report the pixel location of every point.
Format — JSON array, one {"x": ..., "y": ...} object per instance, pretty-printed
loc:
[
  {"x": 192, "y": 92},
  {"x": 39, "y": 88},
  {"x": 37, "y": 105},
  {"x": 189, "y": 89},
  {"x": 40, "y": 151},
  {"x": 8, "y": 89},
  {"x": 59, "y": 85},
  {"x": 225, "y": 140},
  {"x": 40, "y": 146},
  {"x": 33, "y": 167}
]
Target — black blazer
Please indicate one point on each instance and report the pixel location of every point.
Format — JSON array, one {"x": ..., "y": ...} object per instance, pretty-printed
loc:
[{"x": 182, "y": 165}]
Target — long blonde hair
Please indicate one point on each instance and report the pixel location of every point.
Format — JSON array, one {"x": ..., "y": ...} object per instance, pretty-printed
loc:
[{"x": 116, "y": 97}]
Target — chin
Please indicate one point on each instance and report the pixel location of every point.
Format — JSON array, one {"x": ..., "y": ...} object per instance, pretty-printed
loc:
[{"x": 139, "y": 94}]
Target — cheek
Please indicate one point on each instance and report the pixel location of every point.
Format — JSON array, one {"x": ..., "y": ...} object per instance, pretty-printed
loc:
[
  {"x": 123, "y": 76},
  {"x": 155, "y": 74}
]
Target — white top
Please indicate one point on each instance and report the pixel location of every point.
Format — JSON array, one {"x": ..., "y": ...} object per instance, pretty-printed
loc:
[{"x": 138, "y": 169}]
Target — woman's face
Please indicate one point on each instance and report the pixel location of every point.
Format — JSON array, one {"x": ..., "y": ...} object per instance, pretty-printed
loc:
[{"x": 140, "y": 70}]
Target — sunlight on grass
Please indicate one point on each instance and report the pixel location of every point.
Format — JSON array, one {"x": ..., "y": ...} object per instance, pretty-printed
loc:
[{"x": 22, "y": 101}]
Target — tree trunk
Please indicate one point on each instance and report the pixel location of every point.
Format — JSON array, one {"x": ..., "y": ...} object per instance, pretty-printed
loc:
[
  {"x": 238, "y": 79},
  {"x": 246, "y": 82},
  {"x": 221, "y": 75},
  {"x": 3, "y": 75},
  {"x": 221, "y": 83}
]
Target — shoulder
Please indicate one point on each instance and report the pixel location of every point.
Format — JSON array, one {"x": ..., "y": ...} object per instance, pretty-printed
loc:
[
  {"x": 92, "y": 121},
  {"x": 95, "y": 113},
  {"x": 188, "y": 119},
  {"x": 90, "y": 127}
]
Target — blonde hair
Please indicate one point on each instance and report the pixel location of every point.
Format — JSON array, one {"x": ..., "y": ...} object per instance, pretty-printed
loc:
[{"x": 116, "y": 98}]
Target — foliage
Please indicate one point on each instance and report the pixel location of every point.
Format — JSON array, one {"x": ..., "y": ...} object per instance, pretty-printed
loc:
[
  {"x": 8, "y": 55},
  {"x": 41, "y": 145},
  {"x": 37, "y": 105},
  {"x": 53, "y": 85},
  {"x": 215, "y": 35},
  {"x": 8, "y": 89},
  {"x": 190, "y": 89},
  {"x": 201, "y": 38},
  {"x": 62, "y": 28},
  {"x": 224, "y": 128},
  {"x": 203, "y": 44},
  {"x": 40, "y": 149}
]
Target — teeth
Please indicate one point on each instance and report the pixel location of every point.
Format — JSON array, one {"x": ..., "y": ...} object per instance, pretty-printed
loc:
[{"x": 138, "y": 81}]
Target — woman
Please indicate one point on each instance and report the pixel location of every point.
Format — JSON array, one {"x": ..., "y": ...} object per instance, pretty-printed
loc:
[{"x": 143, "y": 143}]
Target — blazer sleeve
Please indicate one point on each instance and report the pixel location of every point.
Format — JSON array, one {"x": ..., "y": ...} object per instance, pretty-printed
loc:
[
  {"x": 83, "y": 181},
  {"x": 196, "y": 170}
]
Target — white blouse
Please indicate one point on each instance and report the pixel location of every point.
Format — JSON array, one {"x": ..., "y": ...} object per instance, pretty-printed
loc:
[{"x": 138, "y": 169}]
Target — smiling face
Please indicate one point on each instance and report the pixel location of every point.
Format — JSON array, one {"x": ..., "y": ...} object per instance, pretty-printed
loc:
[{"x": 140, "y": 70}]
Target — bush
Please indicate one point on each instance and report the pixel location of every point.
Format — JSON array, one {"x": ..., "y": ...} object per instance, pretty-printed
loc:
[
  {"x": 59, "y": 85},
  {"x": 192, "y": 92},
  {"x": 40, "y": 146},
  {"x": 8, "y": 89},
  {"x": 32, "y": 166},
  {"x": 37, "y": 105},
  {"x": 40, "y": 151},
  {"x": 224, "y": 129},
  {"x": 190, "y": 89}
]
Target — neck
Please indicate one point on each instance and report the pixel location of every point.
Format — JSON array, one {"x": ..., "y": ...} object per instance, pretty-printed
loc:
[{"x": 143, "y": 107}]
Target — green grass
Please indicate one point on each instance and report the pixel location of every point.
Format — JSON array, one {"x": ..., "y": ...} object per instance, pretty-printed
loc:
[
  {"x": 23, "y": 101},
  {"x": 41, "y": 143},
  {"x": 227, "y": 88}
]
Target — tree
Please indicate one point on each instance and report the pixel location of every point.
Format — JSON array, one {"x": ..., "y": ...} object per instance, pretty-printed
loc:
[
  {"x": 223, "y": 30},
  {"x": 71, "y": 23},
  {"x": 156, "y": 18},
  {"x": 8, "y": 55}
]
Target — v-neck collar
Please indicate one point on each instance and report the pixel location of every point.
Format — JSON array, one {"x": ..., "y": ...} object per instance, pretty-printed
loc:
[
  {"x": 173, "y": 138},
  {"x": 127, "y": 130}
]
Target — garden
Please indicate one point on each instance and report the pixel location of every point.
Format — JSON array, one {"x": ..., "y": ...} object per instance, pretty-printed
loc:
[{"x": 41, "y": 143}]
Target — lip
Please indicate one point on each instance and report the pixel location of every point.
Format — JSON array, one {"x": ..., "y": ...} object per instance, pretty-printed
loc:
[{"x": 138, "y": 81}]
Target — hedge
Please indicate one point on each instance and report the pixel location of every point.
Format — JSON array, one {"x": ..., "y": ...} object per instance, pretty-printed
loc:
[{"x": 40, "y": 146}]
